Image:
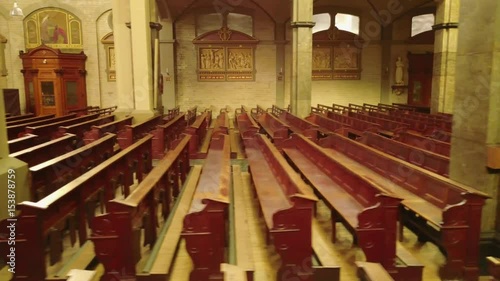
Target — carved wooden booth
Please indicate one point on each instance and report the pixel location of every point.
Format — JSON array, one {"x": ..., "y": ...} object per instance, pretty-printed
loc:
[
  {"x": 54, "y": 81},
  {"x": 336, "y": 55},
  {"x": 226, "y": 55}
]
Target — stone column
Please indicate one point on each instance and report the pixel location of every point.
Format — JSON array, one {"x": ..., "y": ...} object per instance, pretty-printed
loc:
[
  {"x": 476, "y": 107},
  {"x": 445, "y": 51},
  {"x": 142, "y": 59},
  {"x": 167, "y": 64},
  {"x": 302, "y": 24},
  {"x": 123, "y": 58},
  {"x": 280, "y": 64}
]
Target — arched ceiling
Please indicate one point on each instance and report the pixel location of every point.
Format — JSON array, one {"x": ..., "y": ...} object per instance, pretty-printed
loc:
[{"x": 279, "y": 10}]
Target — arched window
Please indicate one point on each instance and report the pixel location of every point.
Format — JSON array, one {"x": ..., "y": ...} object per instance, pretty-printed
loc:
[
  {"x": 421, "y": 23},
  {"x": 323, "y": 22},
  {"x": 347, "y": 22}
]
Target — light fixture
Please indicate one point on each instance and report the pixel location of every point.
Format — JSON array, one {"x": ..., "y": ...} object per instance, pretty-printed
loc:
[{"x": 16, "y": 11}]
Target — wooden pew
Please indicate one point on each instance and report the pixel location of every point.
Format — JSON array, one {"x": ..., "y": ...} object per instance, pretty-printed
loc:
[
  {"x": 246, "y": 124},
  {"x": 30, "y": 120},
  {"x": 369, "y": 271},
  {"x": 273, "y": 127},
  {"x": 357, "y": 126},
  {"x": 494, "y": 268},
  {"x": 328, "y": 126},
  {"x": 440, "y": 135},
  {"x": 435, "y": 208},
  {"x": 387, "y": 127},
  {"x": 103, "y": 111},
  {"x": 73, "y": 204},
  {"x": 48, "y": 176},
  {"x": 240, "y": 250},
  {"x": 165, "y": 134},
  {"x": 191, "y": 115},
  {"x": 432, "y": 145},
  {"x": 296, "y": 124},
  {"x": 80, "y": 129},
  {"x": 354, "y": 200},
  {"x": 204, "y": 228},
  {"x": 413, "y": 124},
  {"x": 198, "y": 130},
  {"x": 433, "y": 162},
  {"x": 117, "y": 234},
  {"x": 171, "y": 113},
  {"x": 45, "y": 151},
  {"x": 286, "y": 204},
  {"x": 221, "y": 125},
  {"x": 115, "y": 127},
  {"x": 16, "y": 131},
  {"x": 51, "y": 131},
  {"x": 137, "y": 131},
  {"x": 19, "y": 117},
  {"x": 82, "y": 111},
  {"x": 19, "y": 144}
]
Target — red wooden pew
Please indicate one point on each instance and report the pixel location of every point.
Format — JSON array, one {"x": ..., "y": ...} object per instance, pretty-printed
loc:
[
  {"x": 115, "y": 127},
  {"x": 29, "y": 120},
  {"x": 198, "y": 131},
  {"x": 165, "y": 134},
  {"x": 221, "y": 125},
  {"x": 137, "y": 131},
  {"x": 273, "y": 127},
  {"x": 432, "y": 145},
  {"x": 19, "y": 117},
  {"x": 328, "y": 126},
  {"x": 286, "y": 204},
  {"x": 296, "y": 124},
  {"x": 246, "y": 124},
  {"x": 73, "y": 204},
  {"x": 46, "y": 151},
  {"x": 80, "y": 129},
  {"x": 120, "y": 253},
  {"x": 18, "y": 130},
  {"x": 204, "y": 228},
  {"x": 19, "y": 144}
]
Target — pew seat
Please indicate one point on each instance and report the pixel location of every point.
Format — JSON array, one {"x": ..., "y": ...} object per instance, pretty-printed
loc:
[
  {"x": 370, "y": 271},
  {"x": 494, "y": 268},
  {"x": 76, "y": 264}
]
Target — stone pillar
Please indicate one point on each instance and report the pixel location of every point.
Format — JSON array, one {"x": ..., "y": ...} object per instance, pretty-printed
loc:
[
  {"x": 280, "y": 65},
  {"x": 142, "y": 59},
  {"x": 476, "y": 107},
  {"x": 167, "y": 64},
  {"x": 445, "y": 51},
  {"x": 123, "y": 58},
  {"x": 302, "y": 24}
]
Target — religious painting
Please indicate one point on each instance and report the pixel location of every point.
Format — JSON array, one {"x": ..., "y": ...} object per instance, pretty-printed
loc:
[
  {"x": 56, "y": 28},
  {"x": 211, "y": 59},
  {"x": 322, "y": 58}
]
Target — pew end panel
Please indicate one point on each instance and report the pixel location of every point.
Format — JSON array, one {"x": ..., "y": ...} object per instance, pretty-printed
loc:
[{"x": 494, "y": 268}]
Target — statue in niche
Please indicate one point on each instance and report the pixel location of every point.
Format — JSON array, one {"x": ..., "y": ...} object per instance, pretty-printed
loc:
[{"x": 399, "y": 72}]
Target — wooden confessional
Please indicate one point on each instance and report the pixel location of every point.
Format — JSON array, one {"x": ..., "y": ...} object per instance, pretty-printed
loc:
[{"x": 420, "y": 79}]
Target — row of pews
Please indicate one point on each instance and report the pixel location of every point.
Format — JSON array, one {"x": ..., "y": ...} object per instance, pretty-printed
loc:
[{"x": 95, "y": 184}]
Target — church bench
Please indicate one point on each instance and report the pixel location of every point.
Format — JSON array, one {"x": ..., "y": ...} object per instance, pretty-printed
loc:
[
  {"x": 273, "y": 127},
  {"x": 198, "y": 131},
  {"x": 18, "y": 130},
  {"x": 29, "y": 120},
  {"x": 388, "y": 127},
  {"x": 22, "y": 143},
  {"x": 117, "y": 234},
  {"x": 369, "y": 271},
  {"x": 114, "y": 127},
  {"x": 240, "y": 250},
  {"x": 433, "y": 162},
  {"x": 73, "y": 204},
  {"x": 435, "y": 208},
  {"x": 82, "y": 111},
  {"x": 296, "y": 124},
  {"x": 51, "y": 131},
  {"x": 354, "y": 200},
  {"x": 326, "y": 125},
  {"x": 102, "y": 111},
  {"x": 246, "y": 124},
  {"x": 19, "y": 117},
  {"x": 131, "y": 133},
  {"x": 357, "y": 126},
  {"x": 413, "y": 124},
  {"x": 171, "y": 113},
  {"x": 82, "y": 128},
  {"x": 494, "y": 268},
  {"x": 440, "y": 135},
  {"x": 432, "y": 145},
  {"x": 221, "y": 125},
  {"x": 204, "y": 228},
  {"x": 166, "y": 133},
  {"x": 48, "y": 176},
  {"x": 286, "y": 203},
  {"x": 191, "y": 115},
  {"x": 45, "y": 151}
]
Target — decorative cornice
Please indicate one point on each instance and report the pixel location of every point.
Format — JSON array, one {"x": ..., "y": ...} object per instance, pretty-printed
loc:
[
  {"x": 59, "y": 71},
  {"x": 447, "y": 25},
  {"x": 297, "y": 24}
]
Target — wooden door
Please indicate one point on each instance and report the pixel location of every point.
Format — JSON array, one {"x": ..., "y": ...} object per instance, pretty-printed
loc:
[{"x": 420, "y": 79}]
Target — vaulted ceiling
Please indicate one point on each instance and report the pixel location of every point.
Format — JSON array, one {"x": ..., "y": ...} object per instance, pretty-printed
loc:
[{"x": 279, "y": 10}]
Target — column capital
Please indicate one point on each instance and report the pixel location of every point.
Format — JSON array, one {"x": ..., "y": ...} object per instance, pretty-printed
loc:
[
  {"x": 447, "y": 25},
  {"x": 298, "y": 24}
]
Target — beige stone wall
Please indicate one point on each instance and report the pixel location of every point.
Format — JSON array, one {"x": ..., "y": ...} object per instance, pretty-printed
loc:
[
  {"x": 108, "y": 95},
  {"x": 191, "y": 92},
  {"x": 12, "y": 28}
]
